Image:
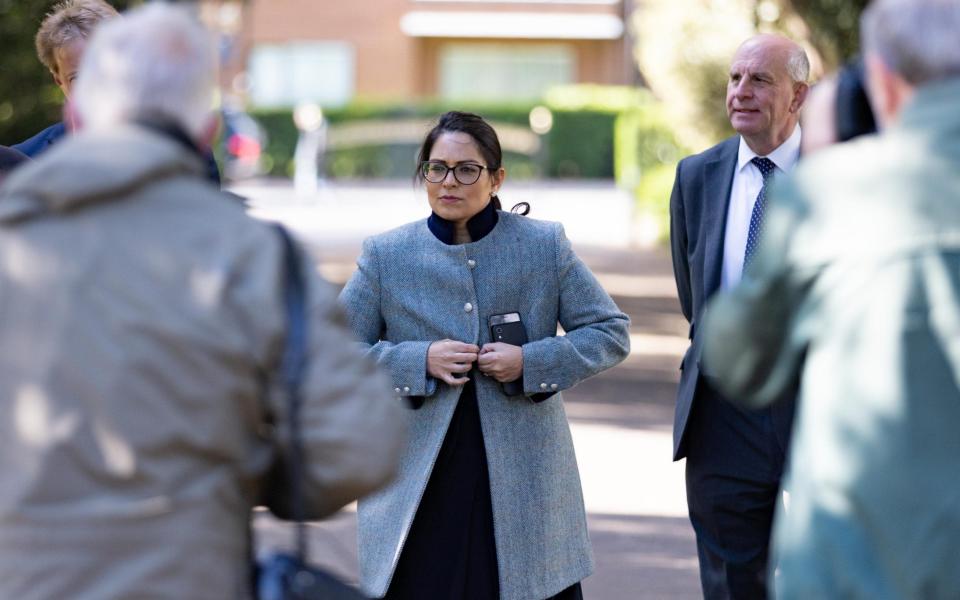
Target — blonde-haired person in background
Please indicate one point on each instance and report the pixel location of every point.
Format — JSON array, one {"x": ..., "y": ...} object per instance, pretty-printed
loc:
[{"x": 60, "y": 42}]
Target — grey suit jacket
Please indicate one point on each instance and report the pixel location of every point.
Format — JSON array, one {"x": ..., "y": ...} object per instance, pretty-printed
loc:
[
  {"x": 698, "y": 219},
  {"x": 412, "y": 289}
]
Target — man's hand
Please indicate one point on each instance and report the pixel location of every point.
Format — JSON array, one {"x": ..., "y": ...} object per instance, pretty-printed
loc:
[
  {"x": 448, "y": 358},
  {"x": 503, "y": 362}
]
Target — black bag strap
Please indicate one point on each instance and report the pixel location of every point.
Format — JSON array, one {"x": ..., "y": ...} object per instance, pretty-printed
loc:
[{"x": 292, "y": 366}]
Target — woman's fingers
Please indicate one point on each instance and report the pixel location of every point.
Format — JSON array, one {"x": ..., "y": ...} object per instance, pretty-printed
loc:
[
  {"x": 446, "y": 358},
  {"x": 503, "y": 362},
  {"x": 453, "y": 346},
  {"x": 451, "y": 380},
  {"x": 463, "y": 357}
]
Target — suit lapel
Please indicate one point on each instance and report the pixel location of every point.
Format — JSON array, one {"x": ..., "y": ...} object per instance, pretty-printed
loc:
[{"x": 718, "y": 179}]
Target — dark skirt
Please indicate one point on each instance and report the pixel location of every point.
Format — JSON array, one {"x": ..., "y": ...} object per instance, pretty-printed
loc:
[{"x": 450, "y": 552}]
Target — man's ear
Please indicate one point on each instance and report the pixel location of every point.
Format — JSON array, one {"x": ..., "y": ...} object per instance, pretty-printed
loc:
[
  {"x": 799, "y": 96},
  {"x": 56, "y": 80}
]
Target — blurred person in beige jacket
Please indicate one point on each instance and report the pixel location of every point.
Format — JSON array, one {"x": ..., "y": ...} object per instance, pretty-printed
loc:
[{"x": 141, "y": 319}]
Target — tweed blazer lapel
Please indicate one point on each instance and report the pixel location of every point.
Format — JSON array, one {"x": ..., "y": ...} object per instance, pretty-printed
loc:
[{"x": 718, "y": 179}]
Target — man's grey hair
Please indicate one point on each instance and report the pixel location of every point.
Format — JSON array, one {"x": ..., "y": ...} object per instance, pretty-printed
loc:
[
  {"x": 798, "y": 65},
  {"x": 917, "y": 39},
  {"x": 157, "y": 62}
]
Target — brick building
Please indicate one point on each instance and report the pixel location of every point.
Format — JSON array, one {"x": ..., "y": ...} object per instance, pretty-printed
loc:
[{"x": 333, "y": 51}]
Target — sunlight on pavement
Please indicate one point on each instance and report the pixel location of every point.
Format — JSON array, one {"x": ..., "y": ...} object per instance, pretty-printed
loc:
[
  {"x": 638, "y": 286},
  {"x": 629, "y": 472},
  {"x": 651, "y": 344}
]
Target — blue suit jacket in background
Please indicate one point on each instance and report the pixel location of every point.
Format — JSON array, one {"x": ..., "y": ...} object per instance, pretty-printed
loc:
[{"x": 43, "y": 140}]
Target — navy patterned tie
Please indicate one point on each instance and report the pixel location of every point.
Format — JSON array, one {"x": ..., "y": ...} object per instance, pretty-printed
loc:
[{"x": 766, "y": 167}]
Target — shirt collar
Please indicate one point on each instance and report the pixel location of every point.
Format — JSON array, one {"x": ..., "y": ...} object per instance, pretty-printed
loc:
[
  {"x": 479, "y": 225},
  {"x": 785, "y": 156}
]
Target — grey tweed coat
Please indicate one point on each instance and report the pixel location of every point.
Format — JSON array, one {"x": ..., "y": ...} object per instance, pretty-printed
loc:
[{"x": 412, "y": 289}]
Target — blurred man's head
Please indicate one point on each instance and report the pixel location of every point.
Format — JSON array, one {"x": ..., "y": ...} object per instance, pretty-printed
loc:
[
  {"x": 818, "y": 117},
  {"x": 156, "y": 63},
  {"x": 766, "y": 88},
  {"x": 837, "y": 110},
  {"x": 908, "y": 44},
  {"x": 63, "y": 36}
]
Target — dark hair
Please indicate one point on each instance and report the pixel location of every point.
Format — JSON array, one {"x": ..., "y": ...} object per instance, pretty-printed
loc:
[
  {"x": 482, "y": 133},
  {"x": 853, "y": 114}
]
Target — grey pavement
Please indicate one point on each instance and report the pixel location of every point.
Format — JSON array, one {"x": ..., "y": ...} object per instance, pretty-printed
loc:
[{"x": 621, "y": 420}]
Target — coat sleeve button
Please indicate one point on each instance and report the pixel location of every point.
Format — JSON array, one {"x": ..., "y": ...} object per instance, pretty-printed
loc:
[
  {"x": 543, "y": 386},
  {"x": 554, "y": 386},
  {"x": 406, "y": 389}
]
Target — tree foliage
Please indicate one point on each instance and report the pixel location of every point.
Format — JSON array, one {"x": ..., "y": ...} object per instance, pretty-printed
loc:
[
  {"x": 29, "y": 100},
  {"x": 684, "y": 48},
  {"x": 834, "y": 26}
]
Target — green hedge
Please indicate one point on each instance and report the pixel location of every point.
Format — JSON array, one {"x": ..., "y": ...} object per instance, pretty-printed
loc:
[
  {"x": 377, "y": 160},
  {"x": 579, "y": 145},
  {"x": 598, "y": 132}
]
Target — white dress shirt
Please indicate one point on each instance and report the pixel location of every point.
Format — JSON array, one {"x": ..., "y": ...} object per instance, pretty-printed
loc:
[{"x": 747, "y": 183}]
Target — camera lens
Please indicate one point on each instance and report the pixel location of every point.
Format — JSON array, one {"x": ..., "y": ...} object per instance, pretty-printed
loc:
[{"x": 499, "y": 330}]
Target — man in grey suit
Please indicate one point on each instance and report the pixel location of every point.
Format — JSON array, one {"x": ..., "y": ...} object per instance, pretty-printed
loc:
[
  {"x": 734, "y": 457},
  {"x": 856, "y": 286}
]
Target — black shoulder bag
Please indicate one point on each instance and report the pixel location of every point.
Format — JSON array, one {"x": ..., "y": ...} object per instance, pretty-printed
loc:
[{"x": 283, "y": 576}]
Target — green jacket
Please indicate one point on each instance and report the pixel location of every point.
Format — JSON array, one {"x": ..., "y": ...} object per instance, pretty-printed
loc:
[{"x": 856, "y": 291}]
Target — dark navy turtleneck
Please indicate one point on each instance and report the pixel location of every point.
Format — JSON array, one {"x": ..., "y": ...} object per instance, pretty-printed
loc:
[{"x": 478, "y": 226}]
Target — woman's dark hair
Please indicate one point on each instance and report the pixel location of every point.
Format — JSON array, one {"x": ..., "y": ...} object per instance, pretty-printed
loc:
[{"x": 481, "y": 132}]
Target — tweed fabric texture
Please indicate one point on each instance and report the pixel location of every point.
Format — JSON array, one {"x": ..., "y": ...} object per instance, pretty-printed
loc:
[{"x": 412, "y": 289}]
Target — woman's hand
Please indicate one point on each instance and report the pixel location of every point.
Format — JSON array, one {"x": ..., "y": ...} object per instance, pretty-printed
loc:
[
  {"x": 448, "y": 358},
  {"x": 503, "y": 362}
]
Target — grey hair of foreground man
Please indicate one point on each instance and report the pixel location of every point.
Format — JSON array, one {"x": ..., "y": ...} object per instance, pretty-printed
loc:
[
  {"x": 156, "y": 62},
  {"x": 907, "y": 44}
]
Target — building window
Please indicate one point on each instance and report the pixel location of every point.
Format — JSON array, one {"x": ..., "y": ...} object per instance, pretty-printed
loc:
[
  {"x": 504, "y": 71},
  {"x": 288, "y": 74}
]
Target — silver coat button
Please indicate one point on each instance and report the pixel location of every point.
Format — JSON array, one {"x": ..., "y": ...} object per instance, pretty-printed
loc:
[
  {"x": 468, "y": 307},
  {"x": 471, "y": 263},
  {"x": 396, "y": 390},
  {"x": 406, "y": 389},
  {"x": 543, "y": 386},
  {"x": 553, "y": 386}
]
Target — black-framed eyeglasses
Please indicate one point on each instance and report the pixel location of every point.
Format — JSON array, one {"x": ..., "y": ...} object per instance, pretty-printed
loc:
[{"x": 465, "y": 173}]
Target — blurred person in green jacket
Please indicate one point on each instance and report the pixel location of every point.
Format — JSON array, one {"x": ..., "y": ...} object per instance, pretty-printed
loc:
[{"x": 855, "y": 289}]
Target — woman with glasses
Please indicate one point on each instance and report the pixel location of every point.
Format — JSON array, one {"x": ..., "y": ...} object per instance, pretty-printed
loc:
[{"x": 488, "y": 502}]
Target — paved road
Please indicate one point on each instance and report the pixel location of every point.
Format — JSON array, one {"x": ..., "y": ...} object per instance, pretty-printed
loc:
[{"x": 621, "y": 421}]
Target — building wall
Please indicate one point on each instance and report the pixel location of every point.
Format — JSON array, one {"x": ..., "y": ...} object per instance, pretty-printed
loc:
[{"x": 390, "y": 64}]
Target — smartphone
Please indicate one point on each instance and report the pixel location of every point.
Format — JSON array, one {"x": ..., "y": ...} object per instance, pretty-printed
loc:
[{"x": 508, "y": 328}]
